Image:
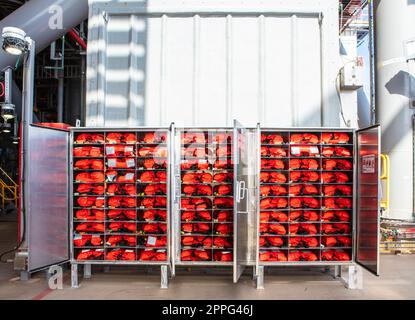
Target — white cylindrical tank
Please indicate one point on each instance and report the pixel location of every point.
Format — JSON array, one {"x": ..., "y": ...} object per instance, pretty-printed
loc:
[{"x": 395, "y": 36}]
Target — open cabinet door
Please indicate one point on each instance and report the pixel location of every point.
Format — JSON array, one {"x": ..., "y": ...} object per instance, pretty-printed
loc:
[
  {"x": 368, "y": 200},
  {"x": 240, "y": 221},
  {"x": 47, "y": 213}
]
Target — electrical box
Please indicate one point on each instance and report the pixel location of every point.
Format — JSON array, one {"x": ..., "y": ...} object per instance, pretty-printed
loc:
[{"x": 351, "y": 75}]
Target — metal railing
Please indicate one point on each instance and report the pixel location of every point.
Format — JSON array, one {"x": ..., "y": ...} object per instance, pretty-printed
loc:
[
  {"x": 9, "y": 189},
  {"x": 385, "y": 176}
]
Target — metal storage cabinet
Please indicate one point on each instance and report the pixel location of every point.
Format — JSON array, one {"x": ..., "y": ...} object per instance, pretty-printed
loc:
[
  {"x": 334, "y": 222},
  {"x": 203, "y": 199},
  {"x": 120, "y": 198}
]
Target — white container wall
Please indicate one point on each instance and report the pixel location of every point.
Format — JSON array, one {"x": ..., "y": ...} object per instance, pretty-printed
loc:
[
  {"x": 395, "y": 96},
  {"x": 205, "y": 63}
]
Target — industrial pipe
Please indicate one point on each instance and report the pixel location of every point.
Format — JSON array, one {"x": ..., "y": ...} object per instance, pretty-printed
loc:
[
  {"x": 74, "y": 35},
  {"x": 44, "y": 21}
]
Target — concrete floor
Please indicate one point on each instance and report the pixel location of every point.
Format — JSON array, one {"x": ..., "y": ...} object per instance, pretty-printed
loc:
[{"x": 397, "y": 281}]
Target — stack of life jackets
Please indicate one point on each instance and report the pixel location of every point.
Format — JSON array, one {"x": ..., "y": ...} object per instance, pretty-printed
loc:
[
  {"x": 122, "y": 214},
  {"x": 154, "y": 242},
  {"x": 223, "y": 216},
  {"x": 196, "y": 203},
  {"x": 153, "y": 255},
  {"x": 304, "y": 138},
  {"x": 90, "y": 215},
  {"x": 87, "y": 138},
  {"x": 86, "y": 164},
  {"x": 87, "y": 240},
  {"x": 302, "y": 256},
  {"x": 193, "y": 137},
  {"x": 194, "y": 164},
  {"x": 275, "y": 228},
  {"x": 155, "y": 189},
  {"x": 272, "y": 164},
  {"x": 90, "y": 227},
  {"x": 303, "y": 228},
  {"x": 122, "y": 202},
  {"x": 339, "y": 241},
  {"x": 160, "y": 152},
  {"x": 272, "y": 139},
  {"x": 223, "y": 229},
  {"x": 223, "y": 256},
  {"x": 119, "y": 151},
  {"x": 115, "y": 137},
  {"x": 196, "y": 228},
  {"x": 155, "y": 163},
  {"x": 335, "y": 228},
  {"x": 154, "y": 137},
  {"x": 337, "y": 164},
  {"x": 196, "y": 216},
  {"x": 124, "y": 163},
  {"x": 303, "y": 242},
  {"x": 297, "y": 203},
  {"x": 306, "y": 190},
  {"x": 304, "y": 176},
  {"x": 334, "y": 177},
  {"x": 273, "y": 216},
  {"x": 273, "y": 203},
  {"x": 90, "y": 177},
  {"x": 271, "y": 241},
  {"x": 272, "y": 256},
  {"x": 154, "y": 215},
  {"x": 338, "y": 203},
  {"x": 92, "y": 254},
  {"x": 121, "y": 189},
  {"x": 122, "y": 227},
  {"x": 304, "y": 164},
  {"x": 336, "y": 152},
  {"x": 335, "y": 255},
  {"x": 91, "y": 202},
  {"x": 195, "y": 255},
  {"x": 342, "y": 216},
  {"x": 337, "y": 190},
  {"x": 125, "y": 177},
  {"x": 273, "y": 190},
  {"x": 121, "y": 254},
  {"x": 222, "y": 138},
  {"x": 273, "y": 152},
  {"x": 153, "y": 177},
  {"x": 87, "y": 152},
  {"x": 304, "y": 216},
  {"x": 305, "y": 151},
  {"x": 196, "y": 178},
  {"x": 335, "y": 138},
  {"x": 153, "y": 228},
  {"x": 197, "y": 190},
  {"x": 156, "y": 202},
  {"x": 122, "y": 241},
  {"x": 90, "y": 189},
  {"x": 273, "y": 177},
  {"x": 223, "y": 203}
]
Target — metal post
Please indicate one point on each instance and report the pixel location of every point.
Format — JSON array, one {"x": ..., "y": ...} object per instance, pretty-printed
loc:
[
  {"x": 260, "y": 278},
  {"x": 337, "y": 272},
  {"x": 8, "y": 84},
  {"x": 60, "y": 96},
  {"x": 27, "y": 119},
  {"x": 164, "y": 277},
  {"x": 355, "y": 278},
  {"x": 87, "y": 271},
  {"x": 74, "y": 276}
]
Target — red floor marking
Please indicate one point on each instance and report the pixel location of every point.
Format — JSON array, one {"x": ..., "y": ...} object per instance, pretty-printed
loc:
[{"x": 47, "y": 291}]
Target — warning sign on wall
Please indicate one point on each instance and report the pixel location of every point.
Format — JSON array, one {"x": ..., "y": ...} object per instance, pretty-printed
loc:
[{"x": 369, "y": 163}]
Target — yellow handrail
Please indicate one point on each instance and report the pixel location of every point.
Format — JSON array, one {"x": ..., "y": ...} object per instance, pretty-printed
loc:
[
  {"x": 8, "y": 177},
  {"x": 8, "y": 191},
  {"x": 385, "y": 175}
]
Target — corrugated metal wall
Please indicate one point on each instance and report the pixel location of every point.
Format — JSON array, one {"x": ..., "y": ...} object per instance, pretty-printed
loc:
[{"x": 205, "y": 63}]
